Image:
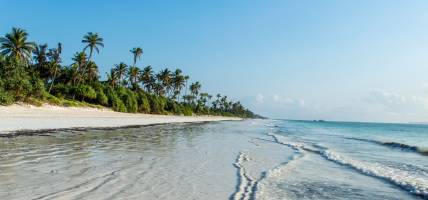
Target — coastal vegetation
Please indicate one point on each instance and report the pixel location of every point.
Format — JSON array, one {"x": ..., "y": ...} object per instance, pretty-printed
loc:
[{"x": 35, "y": 73}]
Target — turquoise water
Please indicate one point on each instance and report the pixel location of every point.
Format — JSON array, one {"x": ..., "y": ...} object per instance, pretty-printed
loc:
[
  {"x": 245, "y": 160},
  {"x": 393, "y": 155}
]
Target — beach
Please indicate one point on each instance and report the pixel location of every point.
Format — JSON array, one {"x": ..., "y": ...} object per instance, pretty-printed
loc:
[
  {"x": 27, "y": 117},
  {"x": 247, "y": 159}
]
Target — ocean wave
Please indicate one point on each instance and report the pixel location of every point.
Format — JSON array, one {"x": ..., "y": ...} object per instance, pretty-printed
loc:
[
  {"x": 294, "y": 145},
  {"x": 401, "y": 146},
  {"x": 403, "y": 179}
]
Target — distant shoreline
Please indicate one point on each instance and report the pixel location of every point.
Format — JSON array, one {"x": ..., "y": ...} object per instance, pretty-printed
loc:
[{"x": 18, "y": 120}]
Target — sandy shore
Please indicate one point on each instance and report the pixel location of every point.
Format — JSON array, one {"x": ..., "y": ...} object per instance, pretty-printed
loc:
[{"x": 26, "y": 117}]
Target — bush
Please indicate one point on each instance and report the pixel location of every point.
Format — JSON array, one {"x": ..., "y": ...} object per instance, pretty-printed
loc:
[
  {"x": 157, "y": 104},
  {"x": 143, "y": 103},
  {"x": 38, "y": 88},
  {"x": 174, "y": 107},
  {"x": 52, "y": 99},
  {"x": 6, "y": 98},
  {"x": 187, "y": 110},
  {"x": 118, "y": 105},
  {"x": 114, "y": 101},
  {"x": 16, "y": 80},
  {"x": 130, "y": 101},
  {"x": 84, "y": 92},
  {"x": 61, "y": 90},
  {"x": 102, "y": 98}
]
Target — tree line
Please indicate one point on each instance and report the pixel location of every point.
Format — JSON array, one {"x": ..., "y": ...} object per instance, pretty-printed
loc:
[{"x": 35, "y": 73}]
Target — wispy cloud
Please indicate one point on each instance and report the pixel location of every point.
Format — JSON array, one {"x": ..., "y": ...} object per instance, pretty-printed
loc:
[{"x": 260, "y": 99}]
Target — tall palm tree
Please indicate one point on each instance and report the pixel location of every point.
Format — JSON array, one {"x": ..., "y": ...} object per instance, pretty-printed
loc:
[
  {"x": 40, "y": 54},
  {"x": 91, "y": 72},
  {"x": 40, "y": 57},
  {"x": 137, "y": 52},
  {"x": 15, "y": 45},
  {"x": 54, "y": 65},
  {"x": 195, "y": 88},
  {"x": 165, "y": 79},
  {"x": 121, "y": 70},
  {"x": 178, "y": 82},
  {"x": 134, "y": 74},
  {"x": 79, "y": 66},
  {"x": 147, "y": 78},
  {"x": 93, "y": 41},
  {"x": 186, "y": 79},
  {"x": 204, "y": 98},
  {"x": 112, "y": 78}
]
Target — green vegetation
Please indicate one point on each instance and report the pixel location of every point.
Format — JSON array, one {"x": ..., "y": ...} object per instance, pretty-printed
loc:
[{"x": 35, "y": 74}]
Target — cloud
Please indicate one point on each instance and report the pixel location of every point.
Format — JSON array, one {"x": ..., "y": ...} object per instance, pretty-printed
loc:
[
  {"x": 397, "y": 101},
  {"x": 375, "y": 105},
  {"x": 260, "y": 98},
  {"x": 288, "y": 101},
  {"x": 397, "y": 106}
]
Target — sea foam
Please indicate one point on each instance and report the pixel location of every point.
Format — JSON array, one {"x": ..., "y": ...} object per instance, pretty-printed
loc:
[{"x": 406, "y": 180}]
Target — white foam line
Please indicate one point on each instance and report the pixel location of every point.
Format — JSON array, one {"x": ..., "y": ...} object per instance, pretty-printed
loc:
[
  {"x": 411, "y": 183},
  {"x": 403, "y": 179}
]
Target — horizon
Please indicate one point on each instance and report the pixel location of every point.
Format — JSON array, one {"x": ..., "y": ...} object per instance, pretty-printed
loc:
[{"x": 359, "y": 61}]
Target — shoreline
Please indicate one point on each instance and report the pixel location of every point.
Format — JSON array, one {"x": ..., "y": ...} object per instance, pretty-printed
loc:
[{"x": 16, "y": 120}]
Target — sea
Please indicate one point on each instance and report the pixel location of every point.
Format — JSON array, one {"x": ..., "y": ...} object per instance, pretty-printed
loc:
[{"x": 245, "y": 160}]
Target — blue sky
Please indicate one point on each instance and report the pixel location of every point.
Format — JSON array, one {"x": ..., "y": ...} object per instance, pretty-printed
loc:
[{"x": 337, "y": 60}]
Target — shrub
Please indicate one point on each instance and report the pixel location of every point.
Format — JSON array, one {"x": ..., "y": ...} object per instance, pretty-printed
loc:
[
  {"x": 187, "y": 110},
  {"x": 114, "y": 101},
  {"x": 52, "y": 99},
  {"x": 84, "y": 92},
  {"x": 130, "y": 101},
  {"x": 38, "y": 88},
  {"x": 6, "y": 98},
  {"x": 102, "y": 98},
  {"x": 118, "y": 105},
  {"x": 61, "y": 90},
  {"x": 143, "y": 103},
  {"x": 157, "y": 104}
]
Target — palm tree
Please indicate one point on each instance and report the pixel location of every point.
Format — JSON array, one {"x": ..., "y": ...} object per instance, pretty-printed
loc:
[
  {"x": 147, "y": 78},
  {"x": 216, "y": 103},
  {"x": 134, "y": 74},
  {"x": 186, "y": 79},
  {"x": 137, "y": 52},
  {"x": 178, "y": 82},
  {"x": 93, "y": 41},
  {"x": 74, "y": 74},
  {"x": 91, "y": 72},
  {"x": 15, "y": 45},
  {"x": 164, "y": 78},
  {"x": 79, "y": 66},
  {"x": 194, "y": 89},
  {"x": 204, "y": 98},
  {"x": 112, "y": 78},
  {"x": 40, "y": 54},
  {"x": 54, "y": 65},
  {"x": 121, "y": 70}
]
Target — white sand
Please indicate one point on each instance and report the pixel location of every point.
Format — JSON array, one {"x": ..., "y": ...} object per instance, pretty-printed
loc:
[{"x": 27, "y": 117}]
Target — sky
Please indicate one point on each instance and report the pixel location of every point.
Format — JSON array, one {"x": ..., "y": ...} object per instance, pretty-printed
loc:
[{"x": 356, "y": 60}]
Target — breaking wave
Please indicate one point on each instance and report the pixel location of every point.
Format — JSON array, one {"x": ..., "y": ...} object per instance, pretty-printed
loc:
[
  {"x": 404, "y": 179},
  {"x": 401, "y": 146}
]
